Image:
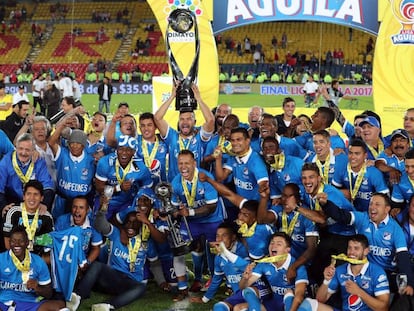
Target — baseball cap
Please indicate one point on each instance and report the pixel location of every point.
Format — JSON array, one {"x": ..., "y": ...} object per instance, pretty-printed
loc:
[
  {"x": 78, "y": 136},
  {"x": 147, "y": 192},
  {"x": 371, "y": 121},
  {"x": 400, "y": 132},
  {"x": 127, "y": 141}
]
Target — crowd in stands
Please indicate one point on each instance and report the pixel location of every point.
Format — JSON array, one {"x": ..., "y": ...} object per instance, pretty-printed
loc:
[{"x": 280, "y": 209}]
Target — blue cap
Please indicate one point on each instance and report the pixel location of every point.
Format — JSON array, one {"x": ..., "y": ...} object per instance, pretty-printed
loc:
[
  {"x": 371, "y": 121},
  {"x": 147, "y": 192},
  {"x": 127, "y": 141},
  {"x": 400, "y": 132}
]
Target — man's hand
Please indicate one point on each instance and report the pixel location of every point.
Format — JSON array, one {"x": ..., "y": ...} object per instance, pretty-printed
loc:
[
  {"x": 329, "y": 272},
  {"x": 202, "y": 177},
  {"x": 395, "y": 176},
  {"x": 291, "y": 274},
  {"x": 126, "y": 185},
  {"x": 6, "y": 209},
  {"x": 142, "y": 217},
  {"x": 408, "y": 291},
  {"x": 352, "y": 288},
  {"x": 322, "y": 198}
]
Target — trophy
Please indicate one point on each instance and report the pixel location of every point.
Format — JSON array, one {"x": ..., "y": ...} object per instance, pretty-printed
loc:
[
  {"x": 181, "y": 21},
  {"x": 179, "y": 237}
]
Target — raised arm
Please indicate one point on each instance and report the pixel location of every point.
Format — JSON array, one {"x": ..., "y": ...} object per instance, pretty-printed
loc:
[
  {"x": 208, "y": 125},
  {"x": 162, "y": 125}
]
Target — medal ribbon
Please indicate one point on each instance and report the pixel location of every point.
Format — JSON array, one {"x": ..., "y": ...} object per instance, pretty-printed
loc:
[
  {"x": 247, "y": 232},
  {"x": 124, "y": 171},
  {"x": 289, "y": 229},
  {"x": 133, "y": 252},
  {"x": 350, "y": 260},
  {"x": 23, "y": 267},
  {"x": 24, "y": 178},
  {"x": 380, "y": 148},
  {"x": 279, "y": 161},
  {"x": 317, "y": 205},
  {"x": 190, "y": 197},
  {"x": 325, "y": 171},
  {"x": 354, "y": 190},
  {"x": 272, "y": 259},
  {"x": 30, "y": 228},
  {"x": 145, "y": 231},
  {"x": 148, "y": 158},
  {"x": 411, "y": 182},
  {"x": 181, "y": 142}
]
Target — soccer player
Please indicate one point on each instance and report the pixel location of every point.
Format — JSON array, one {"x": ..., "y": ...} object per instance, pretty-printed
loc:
[
  {"x": 188, "y": 137},
  {"x": 385, "y": 236},
  {"x": 363, "y": 284},
  {"x": 371, "y": 135},
  {"x": 402, "y": 192},
  {"x": 286, "y": 295},
  {"x": 25, "y": 277},
  {"x": 198, "y": 201},
  {"x": 18, "y": 167},
  {"x": 246, "y": 166},
  {"x": 325, "y": 158},
  {"x": 29, "y": 213},
  {"x": 75, "y": 168},
  {"x": 359, "y": 180},
  {"x": 124, "y": 173},
  {"x": 152, "y": 149}
]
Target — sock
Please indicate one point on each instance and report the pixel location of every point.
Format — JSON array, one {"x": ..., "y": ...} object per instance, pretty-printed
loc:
[
  {"x": 308, "y": 305},
  {"x": 221, "y": 306},
  {"x": 156, "y": 270},
  {"x": 198, "y": 265},
  {"x": 288, "y": 300},
  {"x": 250, "y": 296}
]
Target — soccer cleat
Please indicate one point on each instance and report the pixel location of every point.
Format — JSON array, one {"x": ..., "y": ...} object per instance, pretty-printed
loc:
[
  {"x": 181, "y": 295},
  {"x": 206, "y": 285},
  {"x": 74, "y": 302},
  {"x": 101, "y": 307},
  {"x": 196, "y": 287}
]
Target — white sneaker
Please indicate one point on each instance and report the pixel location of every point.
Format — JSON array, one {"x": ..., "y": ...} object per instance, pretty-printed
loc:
[
  {"x": 101, "y": 307},
  {"x": 74, "y": 302}
]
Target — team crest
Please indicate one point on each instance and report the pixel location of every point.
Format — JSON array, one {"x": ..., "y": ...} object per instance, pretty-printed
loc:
[{"x": 387, "y": 236}]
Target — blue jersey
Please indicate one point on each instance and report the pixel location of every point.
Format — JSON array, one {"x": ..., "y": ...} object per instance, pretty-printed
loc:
[
  {"x": 385, "y": 240},
  {"x": 138, "y": 174},
  {"x": 277, "y": 277},
  {"x": 11, "y": 283},
  {"x": 205, "y": 194},
  {"x": 67, "y": 256},
  {"x": 6, "y": 145},
  {"x": 74, "y": 174},
  {"x": 248, "y": 172},
  {"x": 11, "y": 184},
  {"x": 290, "y": 173},
  {"x": 402, "y": 191},
  {"x": 337, "y": 163},
  {"x": 336, "y": 196},
  {"x": 373, "y": 181},
  {"x": 372, "y": 279},
  {"x": 306, "y": 142},
  {"x": 226, "y": 269},
  {"x": 403, "y": 220},
  {"x": 119, "y": 257},
  {"x": 158, "y": 166},
  {"x": 289, "y": 146},
  {"x": 176, "y": 143},
  {"x": 258, "y": 243},
  {"x": 99, "y": 146},
  {"x": 90, "y": 237},
  {"x": 302, "y": 229}
]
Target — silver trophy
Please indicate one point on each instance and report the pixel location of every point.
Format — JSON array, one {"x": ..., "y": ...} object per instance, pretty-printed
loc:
[
  {"x": 179, "y": 236},
  {"x": 108, "y": 192},
  {"x": 181, "y": 21}
]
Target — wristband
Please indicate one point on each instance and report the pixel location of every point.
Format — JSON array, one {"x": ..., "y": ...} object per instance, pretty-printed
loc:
[
  {"x": 191, "y": 212},
  {"x": 326, "y": 282}
]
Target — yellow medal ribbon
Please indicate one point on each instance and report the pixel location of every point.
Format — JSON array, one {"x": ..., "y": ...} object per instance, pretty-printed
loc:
[
  {"x": 380, "y": 148},
  {"x": 30, "y": 228},
  {"x": 133, "y": 252},
  {"x": 354, "y": 189},
  {"x": 24, "y": 178},
  {"x": 145, "y": 231},
  {"x": 124, "y": 171},
  {"x": 23, "y": 267},
  {"x": 181, "y": 143},
  {"x": 317, "y": 205},
  {"x": 279, "y": 161},
  {"x": 272, "y": 259},
  {"x": 247, "y": 232},
  {"x": 411, "y": 182},
  {"x": 190, "y": 197},
  {"x": 148, "y": 158},
  {"x": 289, "y": 229},
  {"x": 325, "y": 171},
  {"x": 350, "y": 260}
]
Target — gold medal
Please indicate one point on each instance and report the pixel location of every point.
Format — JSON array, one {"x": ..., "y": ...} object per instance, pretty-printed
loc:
[
  {"x": 30, "y": 246},
  {"x": 132, "y": 267}
]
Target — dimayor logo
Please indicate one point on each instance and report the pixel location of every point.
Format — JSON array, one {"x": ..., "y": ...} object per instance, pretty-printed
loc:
[
  {"x": 192, "y": 5},
  {"x": 404, "y": 12}
]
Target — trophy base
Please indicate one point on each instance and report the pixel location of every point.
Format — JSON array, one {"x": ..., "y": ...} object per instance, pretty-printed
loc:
[{"x": 181, "y": 250}]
